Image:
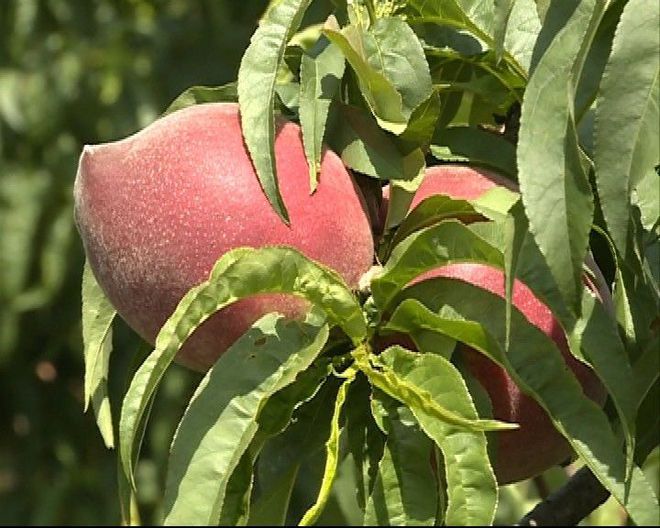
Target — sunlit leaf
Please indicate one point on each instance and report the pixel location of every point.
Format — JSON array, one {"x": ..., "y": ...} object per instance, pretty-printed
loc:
[
  {"x": 477, "y": 147},
  {"x": 400, "y": 496},
  {"x": 628, "y": 117},
  {"x": 97, "y": 317},
  {"x": 204, "y": 94},
  {"x": 365, "y": 147},
  {"x": 286, "y": 454},
  {"x": 416, "y": 396},
  {"x": 390, "y": 67},
  {"x": 331, "y": 456},
  {"x": 237, "y": 274},
  {"x": 221, "y": 419},
  {"x": 256, "y": 91},
  {"x": 444, "y": 243},
  {"x": 320, "y": 77},
  {"x": 471, "y": 485},
  {"x": 476, "y": 317},
  {"x": 548, "y": 143}
]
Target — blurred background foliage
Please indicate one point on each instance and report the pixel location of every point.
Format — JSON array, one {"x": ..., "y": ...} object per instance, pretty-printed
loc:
[{"x": 75, "y": 72}]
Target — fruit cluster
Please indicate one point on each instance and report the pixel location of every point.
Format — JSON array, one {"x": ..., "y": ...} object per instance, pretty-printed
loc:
[{"x": 157, "y": 209}]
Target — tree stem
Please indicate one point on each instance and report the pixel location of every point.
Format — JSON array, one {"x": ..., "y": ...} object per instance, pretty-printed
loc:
[{"x": 567, "y": 506}]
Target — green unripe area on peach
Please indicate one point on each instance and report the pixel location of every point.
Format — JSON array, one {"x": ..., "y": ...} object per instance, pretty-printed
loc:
[
  {"x": 157, "y": 209},
  {"x": 536, "y": 445}
]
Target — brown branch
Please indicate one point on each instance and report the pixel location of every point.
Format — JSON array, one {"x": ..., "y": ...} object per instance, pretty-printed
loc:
[{"x": 571, "y": 503}]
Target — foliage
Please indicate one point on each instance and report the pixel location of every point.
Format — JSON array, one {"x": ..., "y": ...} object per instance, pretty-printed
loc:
[{"x": 534, "y": 90}]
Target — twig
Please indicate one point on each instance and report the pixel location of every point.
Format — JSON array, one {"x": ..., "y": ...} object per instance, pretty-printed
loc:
[{"x": 571, "y": 503}]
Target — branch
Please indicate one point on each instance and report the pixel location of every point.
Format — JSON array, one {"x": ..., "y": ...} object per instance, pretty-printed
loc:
[{"x": 571, "y": 503}]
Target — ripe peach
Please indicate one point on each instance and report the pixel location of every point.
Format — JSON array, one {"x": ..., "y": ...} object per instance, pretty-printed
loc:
[
  {"x": 536, "y": 445},
  {"x": 157, "y": 209},
  {"x": 459, "y": 182}
]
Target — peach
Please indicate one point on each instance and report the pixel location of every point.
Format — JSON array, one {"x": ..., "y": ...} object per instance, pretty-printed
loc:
[
  {"x": 536, "y": 445},
  {"x": 157, "y": 209}
]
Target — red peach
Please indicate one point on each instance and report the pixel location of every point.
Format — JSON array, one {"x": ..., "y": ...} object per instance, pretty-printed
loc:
[
  {"x": 536, "y": 445},
  {"x": 157, "y": 209}
]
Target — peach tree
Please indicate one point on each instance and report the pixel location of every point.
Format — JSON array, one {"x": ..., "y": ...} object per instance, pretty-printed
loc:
[{"x": 414, "y": 247}]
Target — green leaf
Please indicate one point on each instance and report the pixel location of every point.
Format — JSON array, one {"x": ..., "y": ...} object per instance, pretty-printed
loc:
[
  {"x": 204, "y": 94},
  {"x": 516, "y": 230},
  {"x": 274, "y": 417},
  {"x": 628, "y": 117},
  {"x": 331, "y": 456},
  {"x": 595, "y": 335},
  {"x": 390, "y": 66},
  {"x": 476, "y": 16},
  {"x": 430, "y": 211},
  {"x": 548, "y": 143},
  {"x": 365, "y": 147},
  {"x": 320, "y": 78},
  {"x": 284, "y": 456},
  {"x": 97, "y": 317},
  {"x": 471, "y": 485},
  {"x": 221, "y": 419},
  {"x": 236, "y": 504},
  {"x": 648, "y": 432},
  {"x": 475, "y": 146},
  {"x": 476, "y": 317},
  {"x": 385, "y": 103},
  {"x": 646, "y": 195},
  {"x": 647, "y": 370},
  {"x": 276, "y": 414},
  {"x": 400, "y": 495},
  {"x": 256, "y": 91},
  {"x": 237, "y": 274},
  {"x": 522, "y": 30},
  {"x": 635, "y": 303},
  {"x": 128, "y": 505},
  {"x": 444, "y": 243},
  {"x": 418, "y": 397},
  {"x": 365, "y": 441},
  {"x": 493, "y": 204},
  {"x": 594, "y": 65},
  {"x": 421, "y": 125},
  {"x": 502, "y": 13}
]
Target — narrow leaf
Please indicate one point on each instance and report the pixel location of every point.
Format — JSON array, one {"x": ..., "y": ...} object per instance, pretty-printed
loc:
[
  {"x": 476, "y": 317},
  {"x": 236, "y": 504},
  {"x": 237, "y": 274},
  {"x": 385, "y": 103},
  {"x": 285, "y": 455},
  {"x": 477, "y": 147},
  {"x": 364, "y": 146},
  {"x": 256, "y": 91},
  {"x": 390, "y": 66},
  {"x": 320, "y": 78},
  {"x": 331, "y": 457},
  {"x": 471, "y": 485},
  {"x": 548, "y": 143},
  {"x": 416, "y": 396},
  {"x": 523, "y": 27},
  {"x": 400, "y": 496},
  {"x": 365, "y": 441},
  {"x": 97, "y": 317},
  {"x": 595, "y": 335},
  {"x": 221, "y": 418},
  {"x": 204, "y": 94},
  {"x": 503, "y": 10},
  {"x": 627, "y": 116},
  {"x": 444, "y": 243}
]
